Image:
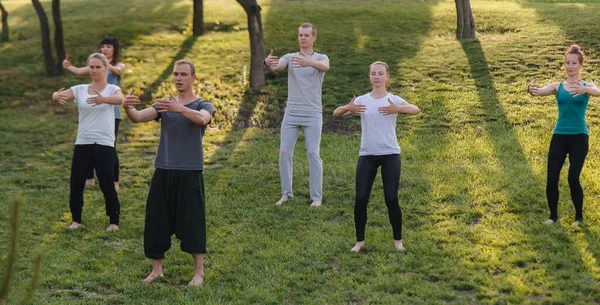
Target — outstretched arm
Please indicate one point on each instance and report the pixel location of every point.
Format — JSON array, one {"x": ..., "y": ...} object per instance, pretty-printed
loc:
[
  {"x": 274, "y": 63},
  {"x": 349, "y": 109},
  {"x": 546, "y": 90},
  {"x": 118, "y": 69},
  {"x": 133, "y": 114},
  {"x": 67, "y": 65},
  {"x": 62, "y": 96}
]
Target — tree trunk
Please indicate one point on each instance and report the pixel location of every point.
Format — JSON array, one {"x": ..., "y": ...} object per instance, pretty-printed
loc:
[
  {"x": 46, "y": 47},
  {"x": 465, "y": 25},
  {"x": 4, "y": 35},
  {"x": 198, "y": 28},
  {"x": 257, "y": 43},
  {"x": 59, "y": 43}
]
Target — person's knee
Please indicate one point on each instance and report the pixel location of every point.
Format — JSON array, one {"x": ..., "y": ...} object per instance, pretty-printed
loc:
[
  {"x": 574, "y": 181},
  {"x": 285, "y": 154},
  {"x": 314, "y": 155}
]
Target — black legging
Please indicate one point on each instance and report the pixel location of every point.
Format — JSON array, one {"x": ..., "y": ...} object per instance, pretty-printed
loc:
[
  {"x": 577, "y": 147},
  {"x": 90, "y": 171},
  {"x": 366, "y": 170},
  {"x": 101, "y": 158}
]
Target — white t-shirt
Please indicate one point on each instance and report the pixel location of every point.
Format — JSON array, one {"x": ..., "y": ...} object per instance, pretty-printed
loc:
[
  {"x": 96, "y": 123},
  {"x": 378, "y": 131}
]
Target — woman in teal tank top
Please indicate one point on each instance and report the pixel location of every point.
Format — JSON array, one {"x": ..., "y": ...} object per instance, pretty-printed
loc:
[
  {"x": 109, "y": 47},
  {"x": 570, "y": 136}
]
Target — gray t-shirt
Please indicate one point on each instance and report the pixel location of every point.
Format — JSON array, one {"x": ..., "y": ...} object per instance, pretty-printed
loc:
[
  {"x": 378, "y": 136},
  {"x": 180, "y": 144},
  {"x": 96, "y": 123},
  {"x": 304, "y": 84}
]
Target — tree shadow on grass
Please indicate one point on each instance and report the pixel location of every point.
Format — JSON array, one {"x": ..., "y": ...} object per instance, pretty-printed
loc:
[
  {"x": 519, "y": 181},
  {"x": 352, "y": 38},
  {"x": 185, "y": 48}
]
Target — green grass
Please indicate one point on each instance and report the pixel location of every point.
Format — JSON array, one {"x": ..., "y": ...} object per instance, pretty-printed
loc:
[{"x": 473, "y": 176}]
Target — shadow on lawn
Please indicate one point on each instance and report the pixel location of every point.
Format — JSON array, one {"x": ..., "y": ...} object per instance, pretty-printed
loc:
[
  {"x": 352, "y": 38},
  {"x": 519, "y": 181},
  {"x": 185, "y": 48}
]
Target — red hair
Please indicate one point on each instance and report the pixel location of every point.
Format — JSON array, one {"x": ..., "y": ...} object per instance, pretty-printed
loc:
[{"x": 575, "y": 49}]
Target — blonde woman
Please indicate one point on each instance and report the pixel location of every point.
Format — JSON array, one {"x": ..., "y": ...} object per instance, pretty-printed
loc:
[
  {"x": 109, "y": 46},
  {"x": 95, "y": 138},
  {"x": 378, "y": 110}
]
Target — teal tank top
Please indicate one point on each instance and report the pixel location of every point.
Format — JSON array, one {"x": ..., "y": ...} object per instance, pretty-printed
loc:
[
  {"x": 114, "y": 80},
  {"x": 571, "y": 112}
]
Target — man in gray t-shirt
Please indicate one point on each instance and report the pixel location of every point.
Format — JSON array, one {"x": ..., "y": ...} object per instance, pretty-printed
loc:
[
  {"x": 176, "y": 198},
  {"x": 304, "y": 110}
]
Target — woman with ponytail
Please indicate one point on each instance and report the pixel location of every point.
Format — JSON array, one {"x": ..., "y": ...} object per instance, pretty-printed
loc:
[
  {"x": 570, "y": 136},
  {"x": 378, "y": 110}
]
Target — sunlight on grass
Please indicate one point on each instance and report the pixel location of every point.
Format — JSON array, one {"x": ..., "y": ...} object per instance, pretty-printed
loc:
[{"x": 473, "y": 162}]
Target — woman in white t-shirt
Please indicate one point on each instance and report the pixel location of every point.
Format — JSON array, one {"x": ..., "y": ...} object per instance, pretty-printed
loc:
[
  {"x": 378, "y": 110},
  {"x": 95, "y": 138}
]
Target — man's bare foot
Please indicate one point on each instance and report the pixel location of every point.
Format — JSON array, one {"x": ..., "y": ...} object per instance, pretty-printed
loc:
[
  {"x": 196, "y": 281},
  {"x": 358, "y": 246},
  {"x": 316, "y": 203},
  {"x": 150, "y": 278},
  {"x": 282, "y": 200},
  {"x": 90, "y": 181},
  {"x": 75, "y": 225},
  {"x": 398, "y": 245},
  {"x": 117, "y": 186},
  {"x": 112, "y": 227},
  {"x": 548, "y": 221},
  {"x": 575, "y": 224}
]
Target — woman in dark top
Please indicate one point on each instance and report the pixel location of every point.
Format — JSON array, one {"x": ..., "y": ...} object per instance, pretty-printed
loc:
[{"x": 570, "y": 136}]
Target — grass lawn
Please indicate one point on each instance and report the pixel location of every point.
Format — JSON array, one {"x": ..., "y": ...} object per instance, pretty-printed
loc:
[{"x": 473, "y": 176}]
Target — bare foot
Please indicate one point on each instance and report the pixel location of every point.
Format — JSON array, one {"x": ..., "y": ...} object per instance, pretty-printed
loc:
[
  {"x": 90, "y": 181},
  {"x": 150, "y": 278},
  {"x": 548, "y": 221},
  {"x": 282, "y": 200},
  {"x": 196, "y": 281},
  {"x": 398, "y": 245},
  {"x": 117, "y": 186},
  {"x": 112, "y": 227},
  {"x": 575, "y": 224},
  {"x": 316, "y": 203},
  {"x": 358, "y": 246},
  {"x": 75, "y": 225}
]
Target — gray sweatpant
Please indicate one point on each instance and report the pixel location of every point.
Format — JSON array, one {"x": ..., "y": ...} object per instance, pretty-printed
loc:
[{"x": 312, "y": 123}]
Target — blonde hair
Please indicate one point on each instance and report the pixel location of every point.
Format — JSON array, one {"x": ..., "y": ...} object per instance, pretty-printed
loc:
[
  {"x": 383, "y": 64},
  {"x": 307, "y": 25},
  {"x": 98, "y": 56},
  {"x": 187, "y": 62}
]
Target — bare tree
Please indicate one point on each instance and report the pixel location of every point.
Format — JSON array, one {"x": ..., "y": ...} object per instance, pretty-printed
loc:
[
  {"x": 257, "y": 43},
  {"x": 198, "y": 28},
  {"x": 45, "y": 30},
  {"x": 465, "y": 25},
  {"x": 4, "y": 35},
  {"x": 59, "y": 43},
  {"x": 52, "y": 67}
]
